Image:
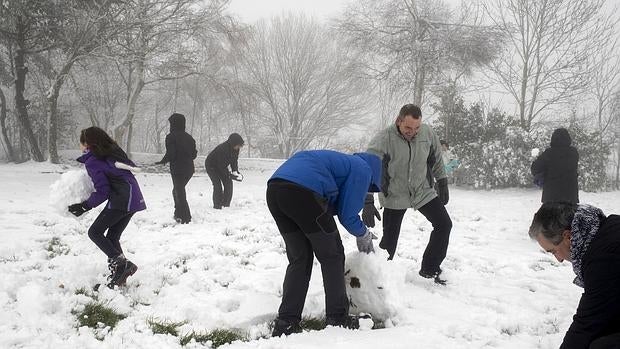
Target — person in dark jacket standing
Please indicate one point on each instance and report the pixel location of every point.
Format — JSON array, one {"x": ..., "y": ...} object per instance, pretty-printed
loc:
[
  {"x": 216, "y": 164},
  {"x": 105, "y": 163},
  {"x": 556, "y": 167},
  {"x": 584, "y": 236},
  {"x": 303, "y": 194},
  {"x": 180, "y": 153}
]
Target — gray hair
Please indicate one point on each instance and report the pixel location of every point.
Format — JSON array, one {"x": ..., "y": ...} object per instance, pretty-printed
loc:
[{"x": 551, "y": 220}]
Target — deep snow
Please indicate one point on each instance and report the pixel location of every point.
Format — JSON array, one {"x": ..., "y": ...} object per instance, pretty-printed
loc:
[{"x": 225, "y": 270}]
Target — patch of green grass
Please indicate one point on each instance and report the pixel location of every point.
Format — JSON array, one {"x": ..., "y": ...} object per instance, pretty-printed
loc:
[
  {"x": 81, "y": 290},
  {"x": 55, "y": 247},
  {"x": 164, "y": 326},
  {"x": 218, "y": 337},
  {"x": 312, "y": 324},
  {"x": 95, "y": 313}
]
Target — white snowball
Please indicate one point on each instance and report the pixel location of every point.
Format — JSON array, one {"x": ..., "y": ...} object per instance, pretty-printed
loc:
[
  {"x": 535, "y": 152},
  {"x": 370, "y": 286},
  {"x": 73, "y": 187}
]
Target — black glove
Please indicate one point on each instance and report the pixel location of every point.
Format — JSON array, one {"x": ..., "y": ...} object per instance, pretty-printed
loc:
[
  {"x": 369, "y": 212},
  {"x": 236, "y": 176},
  {"x": 78, "y": 209},
  {"x": 364, "y": 242},
  {"x": 441, "y": 187}
]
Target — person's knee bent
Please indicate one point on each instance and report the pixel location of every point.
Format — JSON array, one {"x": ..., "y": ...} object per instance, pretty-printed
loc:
[{"x": 95, "y": 233}]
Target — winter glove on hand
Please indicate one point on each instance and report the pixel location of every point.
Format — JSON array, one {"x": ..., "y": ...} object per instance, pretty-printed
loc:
[
  {"x": 441, "y": 187},
  {"x": 78, "y": 209},
  {"x": 369, "y": 212},
  {"x": 364, "y": 242},
  {"x": 236, "y": 176}
]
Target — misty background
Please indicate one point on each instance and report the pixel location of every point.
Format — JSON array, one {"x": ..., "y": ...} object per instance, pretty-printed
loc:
[{"x": 493, "y": 77}]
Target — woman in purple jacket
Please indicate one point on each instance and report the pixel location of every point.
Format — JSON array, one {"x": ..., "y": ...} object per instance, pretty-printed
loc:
[{"x": 105, "y": 162}]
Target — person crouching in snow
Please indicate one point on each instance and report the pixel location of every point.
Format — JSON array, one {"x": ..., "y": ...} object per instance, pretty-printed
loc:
[
  {"x": 303, "y": 195},
  {"x": 590, "y": 241},
  {"x": 216, "y": 164},
  {"x": 105, "y": 163}
]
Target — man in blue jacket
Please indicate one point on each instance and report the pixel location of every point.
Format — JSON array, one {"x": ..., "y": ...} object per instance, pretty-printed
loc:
[{"x": 303, "y": 195}]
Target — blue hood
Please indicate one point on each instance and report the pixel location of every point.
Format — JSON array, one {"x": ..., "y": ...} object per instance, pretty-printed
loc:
[{"x": 375, "y": 165}]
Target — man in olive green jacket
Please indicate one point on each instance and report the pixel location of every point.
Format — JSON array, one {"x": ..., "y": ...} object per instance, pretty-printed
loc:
[{"x": 411, "y": 154}]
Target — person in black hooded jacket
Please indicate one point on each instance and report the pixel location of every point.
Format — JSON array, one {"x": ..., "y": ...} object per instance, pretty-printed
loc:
[
  {"x": 180, "y": 153},
  {"x": 216, "y": 164},
  {"x": 557, "y": 167}
]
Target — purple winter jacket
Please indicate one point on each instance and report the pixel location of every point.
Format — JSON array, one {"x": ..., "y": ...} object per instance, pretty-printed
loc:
[{"x": 118, "y": 186}]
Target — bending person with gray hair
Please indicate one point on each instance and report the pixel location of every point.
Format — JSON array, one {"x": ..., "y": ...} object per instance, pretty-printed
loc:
[{"x": 584, "y": 236}]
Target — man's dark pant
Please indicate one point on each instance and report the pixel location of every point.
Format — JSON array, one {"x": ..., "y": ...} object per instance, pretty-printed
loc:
[
  {"x": 607, "y": 342},
  {"x": 437, "y": 246},
  {"x": 115, "y": 222},
  {"x": 181, "y": 207},
  {"x": 308, "y": 229},
  {"x": 221, "y": 179}
]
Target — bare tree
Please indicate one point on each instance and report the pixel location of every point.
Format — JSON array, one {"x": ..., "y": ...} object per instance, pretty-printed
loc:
[
  {"x": 82, "y": 28},
  {"x": 27, "y": 28},
  {"x": 157, "y": 46},
  {"x": 546, "y": 60},
  {"x": 415, "y": 44},
  {"x": 305, "y": 83}
]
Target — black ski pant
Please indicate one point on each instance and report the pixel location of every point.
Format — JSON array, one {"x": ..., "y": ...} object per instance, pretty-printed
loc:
[
  {"x": 115, "y": 222},
  {"x": 222, "y": 187},
  {"x": 308, "y": 230},
  {"x": 437, "y": 246},
  {"x": 607, "y": 342},
  {"x": 181, "y": 207}
]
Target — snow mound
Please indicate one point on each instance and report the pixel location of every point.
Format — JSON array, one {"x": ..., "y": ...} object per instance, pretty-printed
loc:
[
  {"x": 370, "y": 286},
  {"x": 73, "y": 187}
]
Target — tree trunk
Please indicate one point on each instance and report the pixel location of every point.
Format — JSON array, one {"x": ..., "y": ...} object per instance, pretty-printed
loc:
[
  {"x": 5, "y": 136},
  {"x": 52, "y": 116},
  {"x": 618, "y": 167},
  {"x": 125, "y": 123},
  {"x": 21, "y": 103}
]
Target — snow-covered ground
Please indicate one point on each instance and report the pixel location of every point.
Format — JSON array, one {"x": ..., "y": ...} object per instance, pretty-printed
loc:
[{"x": 225, "y": 270}]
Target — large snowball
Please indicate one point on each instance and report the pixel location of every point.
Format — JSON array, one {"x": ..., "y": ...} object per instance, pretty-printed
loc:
[
  {"x": 73, "y": 187},
  {"x": 371, "y": 287}
]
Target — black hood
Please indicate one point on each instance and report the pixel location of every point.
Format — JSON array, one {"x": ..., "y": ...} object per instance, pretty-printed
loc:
[
  {"x": 560, "y": 138},
  {"x": 177, "y": 122},
  {"x": 235, "y": 139}
]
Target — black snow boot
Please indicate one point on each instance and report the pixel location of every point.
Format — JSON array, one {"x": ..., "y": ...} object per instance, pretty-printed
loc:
[
  {"x": 433, "y": 275},
  {"x": 347, "y": 321},
  {"x": 283, "y": 327},
  {"x": 121, "y": 269}
]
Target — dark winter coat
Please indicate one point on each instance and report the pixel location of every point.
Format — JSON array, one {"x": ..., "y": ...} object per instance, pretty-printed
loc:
[
  {"x": 119, "y": 187},
  {"x": 598, "y": 312},
  {"x": 557, "y": 166},
  {"x": 224, "y": 155},
  {"x": 342, "y": 179},
  {"x": 180, "y": 147}
]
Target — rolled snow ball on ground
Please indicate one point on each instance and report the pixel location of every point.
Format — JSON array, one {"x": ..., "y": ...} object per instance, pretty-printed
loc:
[
  {"x": 72, "y": 187},
  {"x": 535, "y": 152},
  {"x": 371, "y": 287}
]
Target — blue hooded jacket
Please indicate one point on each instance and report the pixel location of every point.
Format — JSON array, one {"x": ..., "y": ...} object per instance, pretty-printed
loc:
[{"x": 342, "y": 179}]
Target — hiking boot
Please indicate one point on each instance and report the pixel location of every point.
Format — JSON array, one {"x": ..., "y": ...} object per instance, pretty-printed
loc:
[
  {"x": 121, "y": 268},
  {"x": 283, "y": 327},
  {"x": 348, "y": 321},
  {"x": 433, "y": 275}
]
